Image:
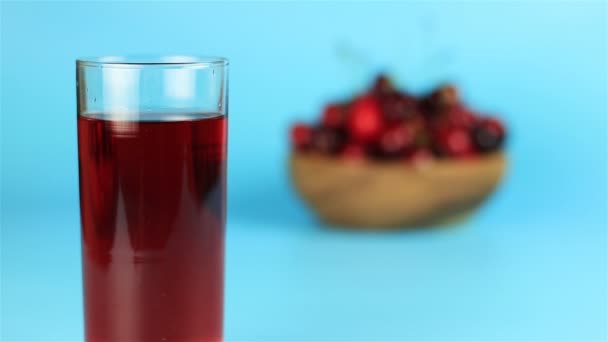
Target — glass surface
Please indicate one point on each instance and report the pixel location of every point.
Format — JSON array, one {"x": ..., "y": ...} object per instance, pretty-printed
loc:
[{"x": 152, "y": 158}]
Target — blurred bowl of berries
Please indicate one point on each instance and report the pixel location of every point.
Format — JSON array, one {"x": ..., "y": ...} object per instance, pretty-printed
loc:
[{"x": 387, "y": 158}]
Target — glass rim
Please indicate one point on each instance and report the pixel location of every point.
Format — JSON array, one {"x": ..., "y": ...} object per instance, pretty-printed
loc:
[{"x": 142, "y": 61}]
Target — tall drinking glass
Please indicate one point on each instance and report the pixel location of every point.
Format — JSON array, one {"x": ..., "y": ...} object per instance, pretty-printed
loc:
[{"x": 152, "y": 157}]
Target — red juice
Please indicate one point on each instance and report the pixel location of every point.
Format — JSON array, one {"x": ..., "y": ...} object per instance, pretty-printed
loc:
[{"x": 153, "y": 212}]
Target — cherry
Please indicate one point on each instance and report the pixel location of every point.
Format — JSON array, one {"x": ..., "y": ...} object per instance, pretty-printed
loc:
[
  {"x": 301, "y": 136},
  {"x": 333, "y": 116},
  {"x": 365, "y": 121},
  {"x": 399, "y": 107},
  {"x": 327, "y": 141},
  {"x": 440, "y": 99},
  {"x": 454, "y": 142},
  {"x": 455, "y": 116},
  {"x": 382, "y": 86},
  {"x": 421, "y": 157},
  {"x": 354, "y": 151},
  {"x": 446, "y": 95},
  {"x": 396, "y": 139},
  {"x": 386, "y": 123},
  {"x": 488, "y": 134},
  {"x": 461, "y": 117}
]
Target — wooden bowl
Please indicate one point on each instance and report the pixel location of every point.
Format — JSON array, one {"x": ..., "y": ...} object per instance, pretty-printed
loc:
[{"x": 393, "y": 194}]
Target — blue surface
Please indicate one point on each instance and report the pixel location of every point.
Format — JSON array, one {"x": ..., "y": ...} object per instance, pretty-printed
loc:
[{"x": 532, "y": 265}]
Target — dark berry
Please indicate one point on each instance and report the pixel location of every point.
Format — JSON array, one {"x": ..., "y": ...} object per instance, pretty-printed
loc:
[
  {"x": 397, "y": 107},
  {"x": 382, "y": 86},
  {"x": 301, "y": 136},
  {"x": 488, "y": 135},
  {"x": 455, "y": 116},
  {"x": 327, "y": 141},
  {"x": 454, "y": 142},
  {"x": 333, "y": 116},
  {"x": 365, "y": 121},
  {"x": 440, "y": 99},
  {"x": 396, "y": 139},
  {"x": 458, "y": 116},
  {"x": 446, "y": 95}
]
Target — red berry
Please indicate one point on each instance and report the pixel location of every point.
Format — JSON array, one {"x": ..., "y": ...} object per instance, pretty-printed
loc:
[
  {"x": 421, "y": 157},
  {"x": 458, "y": 116},
  {"x": 327, "y": 141},
  {"x": 397, "y": 138},
  {"x": 488, "y": 134},
  {"x": 399, "y": 107},
  {"x": 365, "y": 120},
  {"x": 333, "y": 116},
  {"x": 301, "y": 136},
  {"x": 454, "y": 142},
  {"x": 453, "y": 117},
  {"x": 353, "y": 151}
]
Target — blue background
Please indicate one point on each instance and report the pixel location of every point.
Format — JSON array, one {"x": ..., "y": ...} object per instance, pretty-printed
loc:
[{"x": 531, "y": 265}]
